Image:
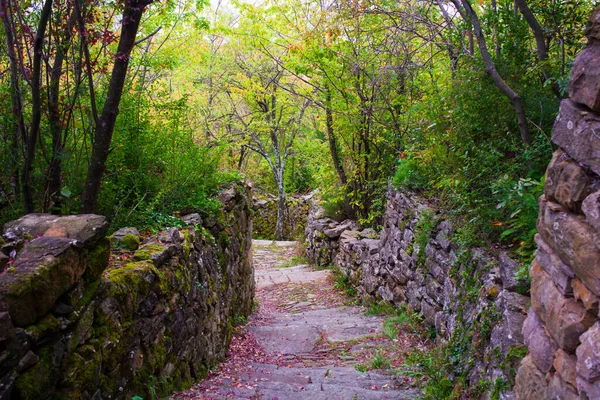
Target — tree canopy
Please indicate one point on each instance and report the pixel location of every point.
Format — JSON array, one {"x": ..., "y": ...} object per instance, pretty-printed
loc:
[{"x": 138, "y": 110}]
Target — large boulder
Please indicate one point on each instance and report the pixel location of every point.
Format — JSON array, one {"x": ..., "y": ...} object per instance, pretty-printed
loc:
[{"x": 85, "y": 228}]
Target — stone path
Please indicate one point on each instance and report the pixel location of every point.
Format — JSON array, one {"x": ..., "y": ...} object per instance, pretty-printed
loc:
[{"x": 306, "y": 342}]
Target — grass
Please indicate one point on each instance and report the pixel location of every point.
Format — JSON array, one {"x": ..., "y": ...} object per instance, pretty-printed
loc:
[{"x": 294, "y": 261}]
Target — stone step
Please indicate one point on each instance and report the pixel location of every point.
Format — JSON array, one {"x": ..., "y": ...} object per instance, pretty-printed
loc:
[{"x": 270, "y": 382}]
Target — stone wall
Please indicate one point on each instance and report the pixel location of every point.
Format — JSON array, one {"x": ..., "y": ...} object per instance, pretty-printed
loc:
[
  {"x": 469, "y": 296},
  {"x": 562, "y": 329},
  {"x": 159, "y": 317},
  {"x": 265, "y": 216}
]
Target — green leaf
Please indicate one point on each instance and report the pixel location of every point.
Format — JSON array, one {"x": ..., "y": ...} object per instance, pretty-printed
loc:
[{"x": 66, "y": 192}]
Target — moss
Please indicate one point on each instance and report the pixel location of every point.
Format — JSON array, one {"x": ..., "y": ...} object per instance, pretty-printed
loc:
[
  {"x": 44, "y": 328},
  {"x": 38, "y": 381},
  {"x": 27, "y": 236},
  {"x": 187, "y": 243},
  {"x": 130, "y": 242},
  {"x": 146, "y": 252},
  {"x": 97, "y": 260},
  {"x": 129, "y": 282},
  {"x": 87, "y": 297}
]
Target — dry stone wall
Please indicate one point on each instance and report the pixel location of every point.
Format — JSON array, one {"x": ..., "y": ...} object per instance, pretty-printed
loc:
[
  {"x": 562, "y": 330},
  {"x": 265, "y": 216},
  {"x": 71, "y": 328},
  {"x": 469, "y": 296}
]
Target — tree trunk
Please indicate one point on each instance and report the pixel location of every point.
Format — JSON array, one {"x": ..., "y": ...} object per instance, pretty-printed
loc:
[
  {"x": 52, "y": 194},
  {"x": 106, "y": 122},
  {"x": 281, "y": 206},
  {"x": 333, "y": 148},
  {"x": 540, "y": 43},
  {"x": 36, "y": 107},
  {"x": 18, "y": 130},
  {"x": 490, "y": 69}
]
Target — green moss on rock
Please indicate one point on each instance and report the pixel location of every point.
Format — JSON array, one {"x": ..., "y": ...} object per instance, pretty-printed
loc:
[
  {"x": 97, "y": 260},
  {"x": 130, "y": 242},
  {"x": 146, "y": 252}
]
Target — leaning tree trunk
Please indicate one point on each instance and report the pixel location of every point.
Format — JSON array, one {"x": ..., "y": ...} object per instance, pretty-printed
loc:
[
  {"x": 490, "y": 69},
  {"x": 132, "y": 16}
]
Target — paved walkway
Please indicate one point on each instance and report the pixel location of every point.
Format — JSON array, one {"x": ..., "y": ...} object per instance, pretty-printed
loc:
[{"x": 306, "y": 342}]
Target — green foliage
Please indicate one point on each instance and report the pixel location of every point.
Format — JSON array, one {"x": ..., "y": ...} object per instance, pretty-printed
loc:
[
  {"x": 342, "y": 283},
  {"x": 423, "y": 230}
]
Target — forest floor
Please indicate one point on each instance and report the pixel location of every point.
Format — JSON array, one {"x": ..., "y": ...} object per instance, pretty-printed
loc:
[{"x": 307, "y": 340}]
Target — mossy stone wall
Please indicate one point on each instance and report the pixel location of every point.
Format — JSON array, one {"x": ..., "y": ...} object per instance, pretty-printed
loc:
[
  {"x": 265, "y": 217},
  {"x": 155, "y": 322}
]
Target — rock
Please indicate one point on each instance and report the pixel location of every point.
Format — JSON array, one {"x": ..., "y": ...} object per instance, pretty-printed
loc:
[
  {"x": 513, "y": 301},
  {"x": 560, "y": 272},
  {"x": 565, "y": 319},
  {"x": 45, "y": 269},
  {"x": 513, "y": 326},
  {"x": 4, "y": 259},
  {"x": 588, "y": 355},
  {"x": 7, "y": 382},
  {"x": 577, "y": 131},
  {"x": 530, "y": 383},
  {"x": 588, "y": 390},
  {"x": 508, "y": 268},
  {"x": 6, "y": 326},
  {"x": 574, "y": 241},
  {"x": 127, "y": 238},
  {"x": 584, "y": 82},
  {"x": 27, "y": 361},
  {"x": 85, "y": 228},
  {"x": 565, "y": 364},
  {"x": 192, "y": 219},
  {"x": 591, "y": 209},
  {"x": 443, "y": 237},
  {"x": 592, "y": 29},
  {"x": 566, "y": 182},
  {"x": 336, "y": 231},
  {"x": 558, "y": 389},
  {"x": 62, "y": 309},
  {"x": 584, "y": 295},
  {"x": 542, "y": 348}
]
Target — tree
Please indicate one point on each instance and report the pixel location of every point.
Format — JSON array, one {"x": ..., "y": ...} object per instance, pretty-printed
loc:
[
  {"x": 469, "y": 14},
  {"x": 130, "y": 23}
]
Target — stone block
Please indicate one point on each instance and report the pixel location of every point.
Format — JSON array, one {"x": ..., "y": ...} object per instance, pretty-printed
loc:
[
  {"x": 513, "y": 301},
  {"x": 573, "y": 240},
  {"x": 591, "y": 209},
  {"x": 565, "y": 365},
  {"x": 565, "y": 318},
  {"x": 577, "y": 131},
  {"x": 588, "y": 355},
  {"x": 542, "y": 347},
  {"x": 530, "y": 382},
  {"x": 584, "y": 83},
  {"x": 592, "y": 29},
  {"x": 558, "y": 389},
  {"x": 566, "y": 182},
  {"x": 585, "y": 296},
  {"x": 588, "y": 390},
  {"x": 44, "y": 270},
  {"x": 560, "y": 272},
  {"x": 508, "y": 268}
]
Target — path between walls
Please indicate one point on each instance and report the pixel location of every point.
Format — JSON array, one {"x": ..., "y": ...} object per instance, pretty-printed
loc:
[{"x": 305, "y": 342}]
